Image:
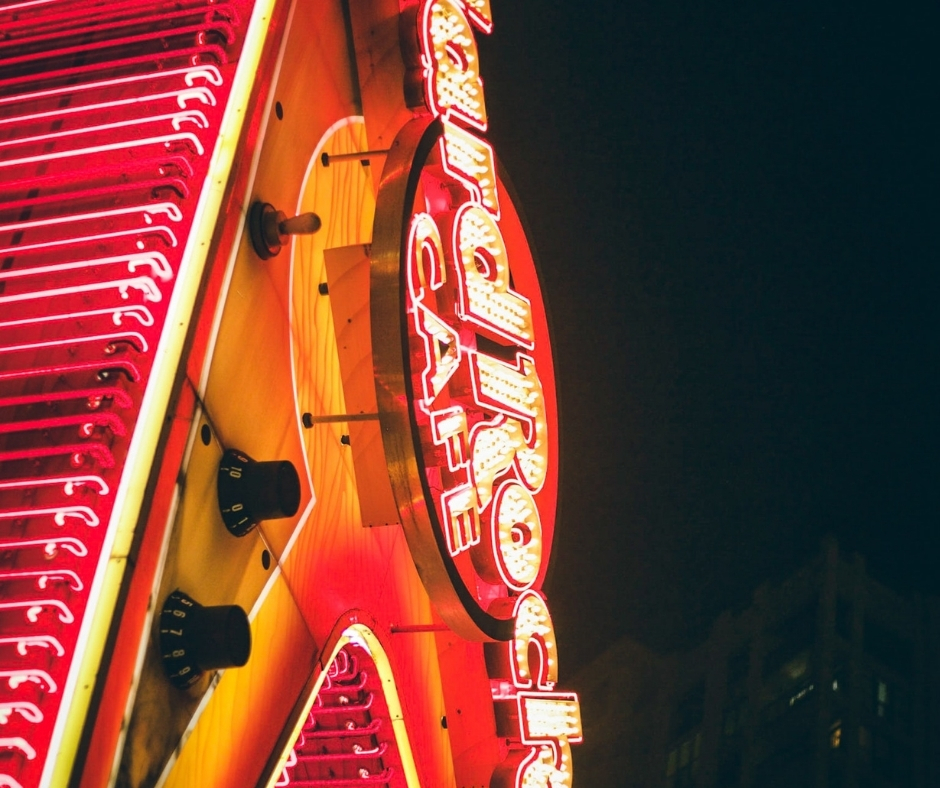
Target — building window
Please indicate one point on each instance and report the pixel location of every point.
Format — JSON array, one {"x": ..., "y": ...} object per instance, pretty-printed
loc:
[
  {"x": 882, "y": 756},
  {"x": 788, "y": 765},
  {"x": 836, "y": 776},
  {"x": 885, "y": 756},
  {"x": 729, "y": 770},
  {"x": 683, "y": 761},
  {"x": 889, "y": 704},
  {"x": 881, "y": 698},
  {"x": 838, "y": 680},
  {"x": 793, "y": 699},
  {"x": 732, "y": 719},
  {"x": 864, "y": 745},
  {"x": 800, "y": 694},
  {"x": 835, "y": 735}
]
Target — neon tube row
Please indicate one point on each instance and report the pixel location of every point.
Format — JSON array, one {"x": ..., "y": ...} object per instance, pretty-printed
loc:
[{"x": 109, "y": 113}]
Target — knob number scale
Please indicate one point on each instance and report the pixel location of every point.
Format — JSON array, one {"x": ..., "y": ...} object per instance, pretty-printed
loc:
[
  {"x": 251, "y": 491},
  {"x": 195, "y": 639},
  {"x": 233, "y": 511},
  {"x": 181, "y": 672}
]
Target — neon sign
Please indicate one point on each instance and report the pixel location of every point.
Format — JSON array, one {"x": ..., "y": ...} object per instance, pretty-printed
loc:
[
  {"x": 109, "y": 127},
  {"x": 465, "y": 388},
  {"x": 469, "y": 404},
  {"x": 541, "y": 722}
]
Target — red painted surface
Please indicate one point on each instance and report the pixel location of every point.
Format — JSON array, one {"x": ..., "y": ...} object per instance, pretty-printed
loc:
[
  {"x": 347, "y": 739},
  {"x": 109, "y": 113}
]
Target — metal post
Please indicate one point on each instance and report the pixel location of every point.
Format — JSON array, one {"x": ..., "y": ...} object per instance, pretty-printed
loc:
[
  {"x": 363, "y": 156},
  {"x": 409, "y": 628},
  {"x": 309, "y": 419}
]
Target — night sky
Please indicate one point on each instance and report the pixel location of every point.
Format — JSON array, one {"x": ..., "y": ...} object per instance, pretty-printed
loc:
[{"x": 735, "y": 209}]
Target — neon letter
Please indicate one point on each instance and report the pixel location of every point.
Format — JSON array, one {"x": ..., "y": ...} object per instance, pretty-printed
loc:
[{"x": 450, "y": 61}]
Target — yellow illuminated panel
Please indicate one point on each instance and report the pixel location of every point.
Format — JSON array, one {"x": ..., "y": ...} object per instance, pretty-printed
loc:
[{"x": 363, "y": 637}]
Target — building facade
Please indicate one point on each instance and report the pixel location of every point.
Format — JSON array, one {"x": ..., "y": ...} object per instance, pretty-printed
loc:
[{"x": 828, "y": 679}]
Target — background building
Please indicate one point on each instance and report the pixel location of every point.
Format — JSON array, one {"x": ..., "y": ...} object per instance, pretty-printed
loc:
[{"x": 828, "y": 679}]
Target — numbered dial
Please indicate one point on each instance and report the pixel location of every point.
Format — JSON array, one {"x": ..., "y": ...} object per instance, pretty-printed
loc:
[
  {"x": 194, "y": 638},
  {"x": 252, "y": 491}
]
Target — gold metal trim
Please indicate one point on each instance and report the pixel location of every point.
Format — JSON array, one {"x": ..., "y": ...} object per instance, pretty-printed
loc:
[{"x": 455, "y": 603}]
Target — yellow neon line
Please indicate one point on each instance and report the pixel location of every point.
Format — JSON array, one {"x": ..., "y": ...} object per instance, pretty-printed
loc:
[
  {"x": 302, "y": 718},
  {"x": 83, "y": 672},
  {"x": 390, "y": 690},
  {"x": 361, "y": 635}
]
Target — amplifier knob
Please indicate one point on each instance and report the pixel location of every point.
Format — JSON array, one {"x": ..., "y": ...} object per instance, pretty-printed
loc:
[
  {"x": 194, "y": 638},
  {"x": 252, "y": 491}
]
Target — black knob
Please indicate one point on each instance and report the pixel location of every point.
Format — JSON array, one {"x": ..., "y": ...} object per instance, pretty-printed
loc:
[
  {"x": 252, "y": 491},
  {"x": 194, "y": 639},
  {"x": 270, "y": 228}
]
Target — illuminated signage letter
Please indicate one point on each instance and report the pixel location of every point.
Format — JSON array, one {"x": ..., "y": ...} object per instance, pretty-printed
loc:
[
  {"x": 470, "y": 160},
  {"x": 544, "y": 721},
  {"x": 480, "y": 15},
  {"x": 483, "y": 269},
  {"x": 451, "y": 63}
]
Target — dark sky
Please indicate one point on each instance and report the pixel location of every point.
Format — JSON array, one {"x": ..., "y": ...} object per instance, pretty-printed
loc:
[{"x": 735, "y": 207}]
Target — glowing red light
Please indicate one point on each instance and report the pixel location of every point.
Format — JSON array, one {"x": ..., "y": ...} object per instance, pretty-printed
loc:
[{"x": 103, "y": 165}]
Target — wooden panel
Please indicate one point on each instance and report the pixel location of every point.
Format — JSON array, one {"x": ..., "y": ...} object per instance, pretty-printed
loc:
[
  {"x": 245, "y": 714},
  {"x": 341, "y": 196},
  {"x": 251, "y": 395},
  {"x": 381, "y": 71},
  {"x": 214, "y": 568},
  {"x": 249, "y": 398},
  {"x": 279, "y": 356},
  {"x": 336, "y": 561},
  {"x": 348, "y": 276},
  {"x": 336, "y": 564},
  {"x": 347, "y": 270}
]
